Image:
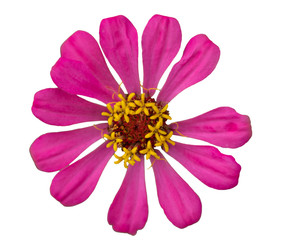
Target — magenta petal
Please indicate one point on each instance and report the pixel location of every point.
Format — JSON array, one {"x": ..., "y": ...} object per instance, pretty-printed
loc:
[
  {"x": 180, "y": 203},
  {"x": 75, "y": 183},
  {"x": 82, "y": 46},
  {"x": 129, "y": 210},
  {"x": 56, "y": 107},
  {"x": 210, "y": 166},
  {"x": 54, "y": 151},
  {"x": 119, "y": 41},
  {"x": 222, "y": 126},
  {"x": 75, "y": 77},
  {"x": 199, "y": 59},
  {"x": 160, "y": 43}
]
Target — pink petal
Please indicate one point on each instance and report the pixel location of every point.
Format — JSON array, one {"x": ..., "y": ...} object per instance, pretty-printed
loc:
[
  {"x": 54, "y": 151},
  {"x": 222, "y": 126},
  {"x": 180, "y": 203},
  {"x": 160, "y": 43},
  {"x": 210, "y": 166},
  {"x": 129, "y": 210},
  {"x": 82, "y": 46},
  {"x": 119, "y": 41},
  {"x": 198, "y": 61},
  {"x": 74, "y": 184},
  {"x": 75, "y": 77},
  {"x": 56, "y": 107}
]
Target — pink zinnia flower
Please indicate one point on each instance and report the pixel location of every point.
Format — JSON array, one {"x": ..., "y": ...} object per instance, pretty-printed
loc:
[{"x": 136, "y": 123}]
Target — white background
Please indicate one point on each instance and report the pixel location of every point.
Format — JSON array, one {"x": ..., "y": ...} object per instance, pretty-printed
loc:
[{"x": 250, "y": 77}]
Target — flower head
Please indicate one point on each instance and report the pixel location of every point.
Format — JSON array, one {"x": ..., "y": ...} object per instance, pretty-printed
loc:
[{"x": 137, "y": 123}]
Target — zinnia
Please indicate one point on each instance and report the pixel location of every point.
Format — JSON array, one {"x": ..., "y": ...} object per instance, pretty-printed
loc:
[{"x": 136, "y": 122}]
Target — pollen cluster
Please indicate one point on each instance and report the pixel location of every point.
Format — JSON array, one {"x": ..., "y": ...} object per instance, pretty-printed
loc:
[{"x": 137, "y": 124}]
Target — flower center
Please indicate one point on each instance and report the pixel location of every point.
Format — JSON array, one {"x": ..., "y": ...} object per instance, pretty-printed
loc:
[{"x": 137, "y": 124}]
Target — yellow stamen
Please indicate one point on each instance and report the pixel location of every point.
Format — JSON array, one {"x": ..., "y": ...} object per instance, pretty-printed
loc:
[
  {"x": 154, "y": 162},
  {"x": 156, "y": 129},
  {"x": 113, "y": 141},
  {"x": 148, "y": 89},
  {"x": 123, "y": 107},
  {"x": 131, "y": 96},
  {"x": 177, "y": 126},
  {"x": 110, "y": 108},
  {"x": 143, "y": 106},
  {"x": 102, "y": 130},
  {"x": 149, "y": 151},
  {"x": 129, "y": 157},
  {"x": 160, "y": 113},
  {"x": 161, "y": 141},
  {"x": 114, "y": 92},
  {"x": 126, "y": 118}
]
